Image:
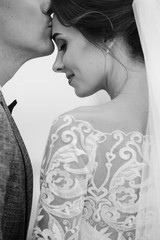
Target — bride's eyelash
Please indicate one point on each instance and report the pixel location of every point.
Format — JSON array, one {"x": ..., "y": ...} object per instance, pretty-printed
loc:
[{"x": 62, "y": 47}]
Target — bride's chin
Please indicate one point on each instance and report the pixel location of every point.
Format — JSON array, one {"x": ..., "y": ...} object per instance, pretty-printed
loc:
[{"x": 82, "y": 94}]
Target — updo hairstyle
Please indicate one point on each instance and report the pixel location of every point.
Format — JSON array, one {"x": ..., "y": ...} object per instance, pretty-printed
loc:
[{"x": 101, "y": 19}]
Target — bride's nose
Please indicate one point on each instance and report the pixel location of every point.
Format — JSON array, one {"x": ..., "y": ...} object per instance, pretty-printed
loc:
[{"x": 58, "y": 66}]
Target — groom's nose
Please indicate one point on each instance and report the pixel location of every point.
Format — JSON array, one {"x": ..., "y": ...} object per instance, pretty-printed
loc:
[{"x": 46, "y": 7}]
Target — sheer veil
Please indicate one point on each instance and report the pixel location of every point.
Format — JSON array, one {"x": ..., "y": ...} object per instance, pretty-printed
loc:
[{"x": 147, "y": 16}]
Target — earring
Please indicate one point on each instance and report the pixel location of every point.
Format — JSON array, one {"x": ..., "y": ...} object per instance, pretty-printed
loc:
[{"x": 108, "y": 50}]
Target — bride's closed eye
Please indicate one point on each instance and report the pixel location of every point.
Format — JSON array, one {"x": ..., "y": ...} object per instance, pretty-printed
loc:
[{"x": 62, "y": 47}]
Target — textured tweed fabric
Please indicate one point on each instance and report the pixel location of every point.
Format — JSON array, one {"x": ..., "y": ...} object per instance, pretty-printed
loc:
[{"x": 16, "y": 180}]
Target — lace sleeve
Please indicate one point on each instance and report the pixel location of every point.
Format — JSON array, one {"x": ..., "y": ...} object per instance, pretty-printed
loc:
[{"x": 65, "y": 172}]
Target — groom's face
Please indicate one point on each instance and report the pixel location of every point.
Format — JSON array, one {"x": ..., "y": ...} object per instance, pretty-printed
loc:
[{"x": 26, "y": 25}]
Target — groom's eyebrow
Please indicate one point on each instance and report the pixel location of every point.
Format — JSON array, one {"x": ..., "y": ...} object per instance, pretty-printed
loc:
[{"x": 55, "y": 35}]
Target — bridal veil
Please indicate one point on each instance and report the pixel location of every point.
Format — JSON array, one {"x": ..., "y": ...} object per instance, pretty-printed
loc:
[{"x": 147, "y": 16}]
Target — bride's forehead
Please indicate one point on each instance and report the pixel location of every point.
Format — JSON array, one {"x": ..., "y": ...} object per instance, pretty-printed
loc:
[{"x": 56, "y": 24}]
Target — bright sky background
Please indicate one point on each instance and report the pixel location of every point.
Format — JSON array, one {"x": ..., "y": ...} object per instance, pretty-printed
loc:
[{"x": 41, "y": 95}]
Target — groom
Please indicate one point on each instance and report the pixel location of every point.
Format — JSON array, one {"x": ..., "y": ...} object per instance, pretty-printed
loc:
[{"x": 25, "y": 33}]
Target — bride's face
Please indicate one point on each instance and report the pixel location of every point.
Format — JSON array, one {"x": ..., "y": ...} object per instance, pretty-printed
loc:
[{"x": 81, "y": 61}]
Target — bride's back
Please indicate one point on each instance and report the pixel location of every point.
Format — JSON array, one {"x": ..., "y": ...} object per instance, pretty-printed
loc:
[{"x": 109, "y": 143}]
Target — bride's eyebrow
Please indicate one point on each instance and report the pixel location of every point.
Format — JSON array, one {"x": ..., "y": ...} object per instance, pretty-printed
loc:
[{"x": 55, "y": 35}]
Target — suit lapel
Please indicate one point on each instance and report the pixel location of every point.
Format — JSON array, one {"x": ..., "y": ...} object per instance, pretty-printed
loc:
[{"x": 26, "y": 159}]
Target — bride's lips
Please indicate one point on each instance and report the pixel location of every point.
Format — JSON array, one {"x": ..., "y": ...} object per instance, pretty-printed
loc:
[{"x": 70, "y": 77}]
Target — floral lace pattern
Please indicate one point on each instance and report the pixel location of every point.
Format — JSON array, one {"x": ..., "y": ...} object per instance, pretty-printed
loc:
[{"x": 89, "y": 177}]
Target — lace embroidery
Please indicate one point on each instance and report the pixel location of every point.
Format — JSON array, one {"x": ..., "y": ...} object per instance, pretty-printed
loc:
[{"x": 91, "y": 177}]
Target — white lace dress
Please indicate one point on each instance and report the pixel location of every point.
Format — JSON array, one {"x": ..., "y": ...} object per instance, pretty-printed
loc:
[{"x": 90, "y": 182}]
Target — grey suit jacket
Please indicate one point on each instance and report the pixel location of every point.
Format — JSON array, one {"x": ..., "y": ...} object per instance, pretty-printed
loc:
[{"x": 16, "y": 179}]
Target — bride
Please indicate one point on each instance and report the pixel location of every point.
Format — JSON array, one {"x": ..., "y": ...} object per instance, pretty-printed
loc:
[{"x": 100, "y": 171}]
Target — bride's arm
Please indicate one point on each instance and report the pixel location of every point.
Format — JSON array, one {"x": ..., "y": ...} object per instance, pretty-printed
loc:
[{"x": 64, "y": 179}]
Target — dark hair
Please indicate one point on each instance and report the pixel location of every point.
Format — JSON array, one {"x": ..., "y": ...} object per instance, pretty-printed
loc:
[{"x": 101, "y": 19}]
